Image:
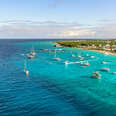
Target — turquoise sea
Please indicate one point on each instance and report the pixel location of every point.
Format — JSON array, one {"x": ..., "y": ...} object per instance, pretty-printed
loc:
[{"x": 53, "y": 88}]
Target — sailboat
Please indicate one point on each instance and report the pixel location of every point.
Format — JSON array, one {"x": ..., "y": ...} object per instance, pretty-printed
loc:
[
  {"x": 32, "y": 54},
  {"x": 56, "y": 58},
  {"x": 29, "y": 56},
  {"x": 25, "y": 69},
  {"x": 79, "y": 56},
  {"x": 87, "y": 55},
  {"x": 33, "y": 51}
]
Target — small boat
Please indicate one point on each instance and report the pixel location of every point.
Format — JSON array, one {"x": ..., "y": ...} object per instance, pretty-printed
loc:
[
  {"x": 103, "y": 62},
  {"x": 105, "y": 69},
  {"x": 87, "y": 55},
  {"x": 30, "y": 56},
  {"x": 114, "y": 73},
  {"x": 106, "y": 53},
  {"x": 92, "y": 56},
  {"x": 85, "y": 63},
  {"x": 56, "y": 58},
  {"x": 79, "y": 55},
  {"x": 25, "y": 70},
  {"x": 73, "y": 55},
  {"x": 81, "y": 58},
  {"x": 66, "y": 62},
  {"x": 49, "y": 62},
  {"x": 96, "y": 75},
  {"x": 33, "y": 51}
]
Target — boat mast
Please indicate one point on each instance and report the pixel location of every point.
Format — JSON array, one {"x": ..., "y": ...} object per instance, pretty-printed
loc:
[
  {"x": 55, "y": 53},
  {"x": 32, "y": 50},
  {"x": 25, "y": 65},
  {"x": 25, "y": 70}
]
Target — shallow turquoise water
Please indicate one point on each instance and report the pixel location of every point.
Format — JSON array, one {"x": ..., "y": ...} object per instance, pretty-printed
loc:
[{"x": 53, "y": 88}]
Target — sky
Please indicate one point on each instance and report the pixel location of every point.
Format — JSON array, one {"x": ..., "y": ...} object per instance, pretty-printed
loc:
[{"x": 58, "y": 19}]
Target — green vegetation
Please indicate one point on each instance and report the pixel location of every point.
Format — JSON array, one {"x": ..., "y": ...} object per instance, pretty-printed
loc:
[{"x": 90, "y": 44}]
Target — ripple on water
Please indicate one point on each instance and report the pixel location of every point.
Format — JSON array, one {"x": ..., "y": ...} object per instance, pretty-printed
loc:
[{"x": 55, "y": 89}]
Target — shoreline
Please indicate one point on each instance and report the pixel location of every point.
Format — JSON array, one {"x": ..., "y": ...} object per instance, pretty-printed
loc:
[
  {"x": 100, "y": 51},
  {"x": 104, "y": 52}
]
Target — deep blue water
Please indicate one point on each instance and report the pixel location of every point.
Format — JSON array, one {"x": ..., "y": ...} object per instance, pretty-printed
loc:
[{"x": 52, "y": 88}]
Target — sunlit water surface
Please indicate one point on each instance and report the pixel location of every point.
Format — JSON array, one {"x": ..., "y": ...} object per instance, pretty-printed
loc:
[{"x": 53, "y": 88}]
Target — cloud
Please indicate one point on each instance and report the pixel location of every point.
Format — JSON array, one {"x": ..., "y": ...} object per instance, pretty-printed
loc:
[
  {"x": 30, "y": 22},
  {"x": 53, "y": 29},
  {"x": 106, "y": 31},
  {"x": 78, "y": 33}
]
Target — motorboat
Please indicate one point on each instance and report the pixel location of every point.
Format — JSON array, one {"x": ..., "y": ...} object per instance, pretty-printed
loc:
[
  {"x": 26, "y": 72},
  {"x": 73, "y": 55},
  {"x": 92, "y": 56},
  {"x": 81, "y": 58},
  {"x": 79, "y": 55},
  {"x": 96, "y": 75},
  {"x": 105, "y": 69},
  {"x": 85, "y": 63},
  {"x": 106, "y": 53},
  {"x": 103, "y": 62},
  {"x": 87, "y": 55},
  {"x": 114, "y": 73},
  {"x": 66, "y": 62},
  {"x": 55, "y": 58}
]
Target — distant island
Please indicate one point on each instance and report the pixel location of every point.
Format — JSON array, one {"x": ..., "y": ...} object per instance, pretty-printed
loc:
[{"x": 103, "y": 46}]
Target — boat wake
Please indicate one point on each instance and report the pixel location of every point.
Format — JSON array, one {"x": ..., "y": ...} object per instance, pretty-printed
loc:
[{"x": 78, "y": 62}]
